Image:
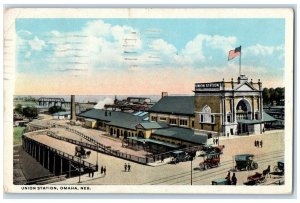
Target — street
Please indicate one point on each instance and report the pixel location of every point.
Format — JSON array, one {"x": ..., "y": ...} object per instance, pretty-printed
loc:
[{"x": 180, "y": 174}]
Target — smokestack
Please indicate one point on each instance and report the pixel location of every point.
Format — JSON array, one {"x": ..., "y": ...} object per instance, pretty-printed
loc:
[
  {"x": 164, "y": 94},
  {"x": 73, "y": 108}
]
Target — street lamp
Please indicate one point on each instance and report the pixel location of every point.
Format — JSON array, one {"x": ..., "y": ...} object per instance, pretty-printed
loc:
[{"x": 79, "y": 167}]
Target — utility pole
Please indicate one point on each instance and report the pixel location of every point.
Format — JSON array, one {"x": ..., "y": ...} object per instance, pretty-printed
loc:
[
  {"x": 97, "y": 157},
  {"x": 191, "y": 170}
]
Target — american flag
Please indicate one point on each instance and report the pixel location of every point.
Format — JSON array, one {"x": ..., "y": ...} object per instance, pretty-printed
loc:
[{"x": 234, "y": 53}]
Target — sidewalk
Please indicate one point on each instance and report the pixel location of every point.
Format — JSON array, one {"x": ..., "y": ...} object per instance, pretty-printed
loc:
[
  {"x": 84, "y": 179},
  {"x": 251, "y": 135}
]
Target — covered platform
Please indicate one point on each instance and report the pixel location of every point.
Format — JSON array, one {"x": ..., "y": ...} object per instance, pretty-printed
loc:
[{"x": 150, "y": 145}]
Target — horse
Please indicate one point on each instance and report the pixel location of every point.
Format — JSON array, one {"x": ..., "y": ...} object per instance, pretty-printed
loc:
[
  {"x": 267, "y": 171},
  {"x": 79, "y": 151}
]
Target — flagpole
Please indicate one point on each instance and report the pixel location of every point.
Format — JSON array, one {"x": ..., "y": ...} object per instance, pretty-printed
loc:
[{"x": 240, "y": 60}]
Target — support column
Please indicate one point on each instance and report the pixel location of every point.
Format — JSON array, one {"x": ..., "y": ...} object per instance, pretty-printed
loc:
[
  {"x": 54, "y": 163},
  {"x": 61, "y": 165},
  {"x": 48, "y": 159},
  {"x": 233, "y": 112},
  {"x": 69, "y": 169},
  {"x": 253, "y": 111},
  {"x": 40, "y": 153}
]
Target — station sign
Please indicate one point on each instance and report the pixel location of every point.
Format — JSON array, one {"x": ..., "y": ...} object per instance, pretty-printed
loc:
[{"x": 208, "y": 85}]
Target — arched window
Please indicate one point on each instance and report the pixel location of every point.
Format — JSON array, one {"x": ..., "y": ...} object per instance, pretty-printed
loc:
[{"x": 206, "y": 114}]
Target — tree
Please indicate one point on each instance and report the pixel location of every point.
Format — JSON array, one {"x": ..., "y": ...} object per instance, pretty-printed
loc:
[
  {"x": 19, "y": 109},
  {"x": 266, "y": 96},
  {"x": 55, "y": 109},
  {"x": 30, "y": 112}
]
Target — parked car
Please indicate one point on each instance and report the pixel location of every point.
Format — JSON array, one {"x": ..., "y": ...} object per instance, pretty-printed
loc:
[
  {"x": 180, "y": 156},
  {"x": 210, "y": 161},
  {"x": 220, "y": 181},
  {"x": 245, "y": 162}
]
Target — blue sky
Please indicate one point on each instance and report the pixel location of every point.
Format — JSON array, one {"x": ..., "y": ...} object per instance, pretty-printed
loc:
[{"x": 81, "y": 47}]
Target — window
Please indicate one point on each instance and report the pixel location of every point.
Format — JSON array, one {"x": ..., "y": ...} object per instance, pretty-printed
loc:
[
  {"x": 162, "y": 118},
  {"x": 228, "y": 119},
  {"x": 206, "y": 116},
  {"x": 173, "y": 121},
  {"x": 193, "y": 124},
  {"x": 183, "y": 122},
  {"x": 153, "y": 118}
]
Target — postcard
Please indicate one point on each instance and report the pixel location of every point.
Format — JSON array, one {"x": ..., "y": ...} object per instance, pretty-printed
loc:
[{"x": 172, "y": 101}]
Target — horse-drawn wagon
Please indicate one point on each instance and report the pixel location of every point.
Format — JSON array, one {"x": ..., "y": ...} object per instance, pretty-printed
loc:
[
  {"x": 280, "y": 167},
  {"x": 81, "y": 152}
]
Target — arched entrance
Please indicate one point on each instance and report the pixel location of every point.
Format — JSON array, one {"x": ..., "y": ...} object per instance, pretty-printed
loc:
[
  {"x": 141, "y": 134},
  {"x": 243, "y": 110},
  {"x": 111, "y": 131},
  {"x": 118, "y": 133}
]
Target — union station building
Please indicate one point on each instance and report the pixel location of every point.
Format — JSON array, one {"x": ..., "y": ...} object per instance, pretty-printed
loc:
[{"x": 224, "y": 108}]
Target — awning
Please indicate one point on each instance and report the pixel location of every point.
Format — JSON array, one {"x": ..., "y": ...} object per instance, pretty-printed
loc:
[{"x": 245, "y": 121}]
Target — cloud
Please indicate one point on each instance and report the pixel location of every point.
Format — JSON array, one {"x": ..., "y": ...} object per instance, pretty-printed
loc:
[
  {"x": 261, "y": 55},
  {"x": 259, "y": 49},
  {"x": 37, "y": 44}
]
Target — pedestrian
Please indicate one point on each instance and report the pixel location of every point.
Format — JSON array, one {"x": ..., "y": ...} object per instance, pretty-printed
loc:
[
  {"x": 255, "y": 143},
  {"x": 214, "y": 141},
  {"x": 261, "y": 143},
  {"x": 125, "y": 166},
  {"x": 228, "y": 178},
  {"x": 92, "y": 174},
  {"x": 162, "y": 158},
  {"x": 101, "y": 170},
  {"x": 233, "y": 179},
  {"x": 90, "y": 171},
  {"x": 104, "y": 170},
  {"x": 129, "y": 167}
]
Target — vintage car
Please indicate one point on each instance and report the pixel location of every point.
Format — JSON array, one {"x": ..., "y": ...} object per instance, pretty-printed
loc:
[
  {"x": 180, "y": 156},
  {"x": 220, "y": 181},
  {"x": 280, "y": 167},
  {"x": 210, "y": 161},
  {"x": 245, "y": 162},
  {"x": 207, "y": 149}
]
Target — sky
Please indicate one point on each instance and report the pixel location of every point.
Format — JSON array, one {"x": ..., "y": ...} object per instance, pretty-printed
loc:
[{"x": 143, "y": 56}]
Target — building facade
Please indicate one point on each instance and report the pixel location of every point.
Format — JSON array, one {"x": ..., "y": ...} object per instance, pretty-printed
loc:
[{"x": 229, "y": 108}]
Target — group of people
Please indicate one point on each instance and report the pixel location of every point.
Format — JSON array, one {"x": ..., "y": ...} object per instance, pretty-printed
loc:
[
  {"x": 103, "y": 170},
  {"x": 258, "y": 143},
  {"x": 127, "y": 167},
  {"x": 215, "y": 141},
  {"x": 232, "y": 180}
]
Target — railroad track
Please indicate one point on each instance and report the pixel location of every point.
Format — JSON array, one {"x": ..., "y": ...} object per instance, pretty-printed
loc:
[{"x": 198, "y": 176}]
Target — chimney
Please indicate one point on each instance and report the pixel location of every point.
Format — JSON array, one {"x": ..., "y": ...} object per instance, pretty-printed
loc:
[
  {"x": 73, "y": 108},
  {"x": 164, "y": 94}
]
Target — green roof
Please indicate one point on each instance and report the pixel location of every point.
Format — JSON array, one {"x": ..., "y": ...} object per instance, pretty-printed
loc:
[
  {"x": 268, "y": 118},
  {"x": 153, "y": 125},
  {"x": 117, "y": 118},
  {"x": 183, "y": 105},
  {"x": 246, "y": 121},
  {"x": 184, "y": 134}
]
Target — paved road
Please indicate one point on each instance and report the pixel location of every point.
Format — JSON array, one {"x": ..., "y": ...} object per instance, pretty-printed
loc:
[{"x": 168, "y": 174}]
